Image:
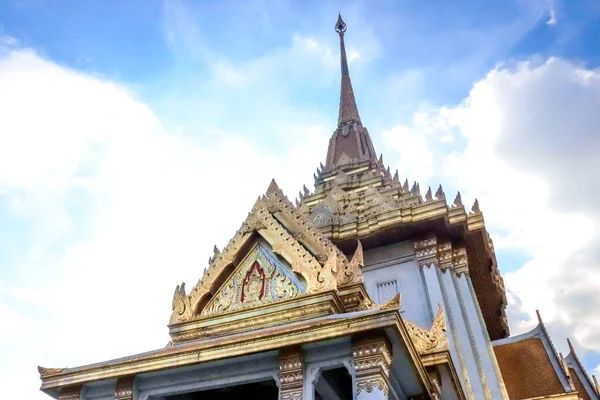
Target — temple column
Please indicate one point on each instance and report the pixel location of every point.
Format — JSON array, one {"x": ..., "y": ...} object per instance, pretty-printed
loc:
[
  {"x": 291, "y": 374},
  {"x": 372, "y": 357},
  {"x": 124, "y": 388}
]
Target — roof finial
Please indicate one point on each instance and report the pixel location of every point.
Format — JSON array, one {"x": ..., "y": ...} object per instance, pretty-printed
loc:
[{"x": 348, "y": 109}]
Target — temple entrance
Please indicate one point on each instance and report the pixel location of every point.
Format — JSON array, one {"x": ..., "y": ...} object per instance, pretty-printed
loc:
[
  {"x": 334, "y": 384},
  {"x": 266, "y": 390}
]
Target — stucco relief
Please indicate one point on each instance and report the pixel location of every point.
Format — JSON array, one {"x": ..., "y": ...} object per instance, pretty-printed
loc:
[{"x": 259, "y": 279}]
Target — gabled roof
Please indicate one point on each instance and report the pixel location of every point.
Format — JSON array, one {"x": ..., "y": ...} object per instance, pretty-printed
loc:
[
  {"x": 581, "y": 380},
  {"x": 282, "y": 255},
  {"x": 530, "y": 365}
]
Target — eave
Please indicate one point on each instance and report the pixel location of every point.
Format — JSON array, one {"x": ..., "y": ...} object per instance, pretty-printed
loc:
[{"x": 190, "y": 353}]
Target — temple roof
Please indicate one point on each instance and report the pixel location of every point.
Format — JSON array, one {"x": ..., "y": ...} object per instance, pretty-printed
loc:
[
  {"x": 265, "y": 339},
  {"x": 586, "y": 387},
  {"x": 531, "y": 367}
]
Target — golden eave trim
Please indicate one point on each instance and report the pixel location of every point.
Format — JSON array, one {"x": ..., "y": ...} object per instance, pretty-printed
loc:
[{"x": 245, "y": 343}]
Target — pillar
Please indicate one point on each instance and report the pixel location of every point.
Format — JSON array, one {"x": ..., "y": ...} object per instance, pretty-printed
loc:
[
  {"x": 372, "y": 357},
  {"x": 291, "y": 374},
  {"x": 124, "y": 388}
]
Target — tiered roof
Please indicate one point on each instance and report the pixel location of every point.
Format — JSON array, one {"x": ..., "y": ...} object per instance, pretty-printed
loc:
[{"x": 356, "y": 197}]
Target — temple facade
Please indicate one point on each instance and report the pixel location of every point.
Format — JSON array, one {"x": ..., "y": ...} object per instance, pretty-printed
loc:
[{"x": 365, "y": 288}]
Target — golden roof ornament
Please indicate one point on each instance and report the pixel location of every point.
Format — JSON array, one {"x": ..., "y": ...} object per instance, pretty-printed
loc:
[
  {"x": 475, "y": 209},
  {"x": 458, "y": 200},
  {"x": 432, "y": 340},
  {"x": 428, "y": 195},
  {"x": 439, "y": 194}
]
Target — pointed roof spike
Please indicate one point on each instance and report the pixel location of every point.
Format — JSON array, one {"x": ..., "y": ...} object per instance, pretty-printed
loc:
[
  {"x": 273, "y": 188},
  {"x": 350, "y": 142},
  {"x": 458, "y": 200},
  {"x": 321, "y": 166},
  {"x": 306, "y": 191},
  {"x": 428, "y": 195},
  {"x": 348, "y": 109},
  {"x": 405, "y": 186},
  {"x": 387, "y": 171},
  {"x": 571, "y": 349},
  {"x": 475, "y": 208},
  {"x": 315, "y": 177},
  {"x": 439, "y": 194},
  {"x": 574, "y": 355},
  {"x": 380, "y": 161},
  {"x": 396, "y": 177}
]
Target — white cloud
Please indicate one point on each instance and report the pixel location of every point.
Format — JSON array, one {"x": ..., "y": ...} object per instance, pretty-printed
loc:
[
  {"x": 120, "y": 210},
  {"x": 530, "y": 157}
]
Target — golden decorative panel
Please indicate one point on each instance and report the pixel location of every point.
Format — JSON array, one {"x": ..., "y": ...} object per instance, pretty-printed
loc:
[
  {"x": 259, "y": 279},
  {"x": 429, "y": 341}
]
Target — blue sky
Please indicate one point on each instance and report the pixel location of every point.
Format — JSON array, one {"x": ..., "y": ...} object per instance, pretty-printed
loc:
[{"x": 126, "y": 128}]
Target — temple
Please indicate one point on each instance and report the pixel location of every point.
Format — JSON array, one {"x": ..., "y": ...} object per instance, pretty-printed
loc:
[{"x": 364, "y": 288}]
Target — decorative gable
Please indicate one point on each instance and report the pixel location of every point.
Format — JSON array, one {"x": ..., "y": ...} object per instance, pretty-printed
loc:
[{"x": 261, "y": 278}]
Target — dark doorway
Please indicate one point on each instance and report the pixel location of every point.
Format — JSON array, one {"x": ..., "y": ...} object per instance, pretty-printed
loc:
[
  {"x": 336, "y": 383},
  {"x": 266, "y": 390}
]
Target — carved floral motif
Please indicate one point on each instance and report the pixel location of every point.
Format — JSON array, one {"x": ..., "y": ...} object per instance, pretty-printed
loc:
[{"x": 259, "y": 279}]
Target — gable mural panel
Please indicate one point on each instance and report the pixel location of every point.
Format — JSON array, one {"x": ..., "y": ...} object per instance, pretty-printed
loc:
[{"x": 261, "y": 278}]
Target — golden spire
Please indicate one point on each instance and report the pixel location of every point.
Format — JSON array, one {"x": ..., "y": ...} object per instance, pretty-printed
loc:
[
  {"x": 350, "y": 143},
  {"x": 348, "y": 109}
]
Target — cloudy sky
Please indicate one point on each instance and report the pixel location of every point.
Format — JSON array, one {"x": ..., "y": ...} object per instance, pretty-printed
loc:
[{"x": 134, "y": 136}]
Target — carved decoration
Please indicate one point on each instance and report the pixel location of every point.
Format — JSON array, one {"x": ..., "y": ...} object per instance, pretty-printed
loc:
[
  {"x": 259, "y": 279},
  {"x": 351, "y": 273},
  {"x": 70, "y": 393},
  {"x": 291, "y": 374},
  {"x": 429, "y": 341},
  {"x": 372, "y": 358},
  {"x": 44, "y": 372},
  {"x": 426, "y": 252},
  {"x": 124, "y": 388},
  {"x": 460, "y": 262},
  {"x": 458, "y": 200},
  {"x": 439, "y": 194},
  {"x": 317, "y": 276},
  {"x": 475, "y": 209},
  {"x": 428, "y": 195},
  {"x": 181, "y": 307}
]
